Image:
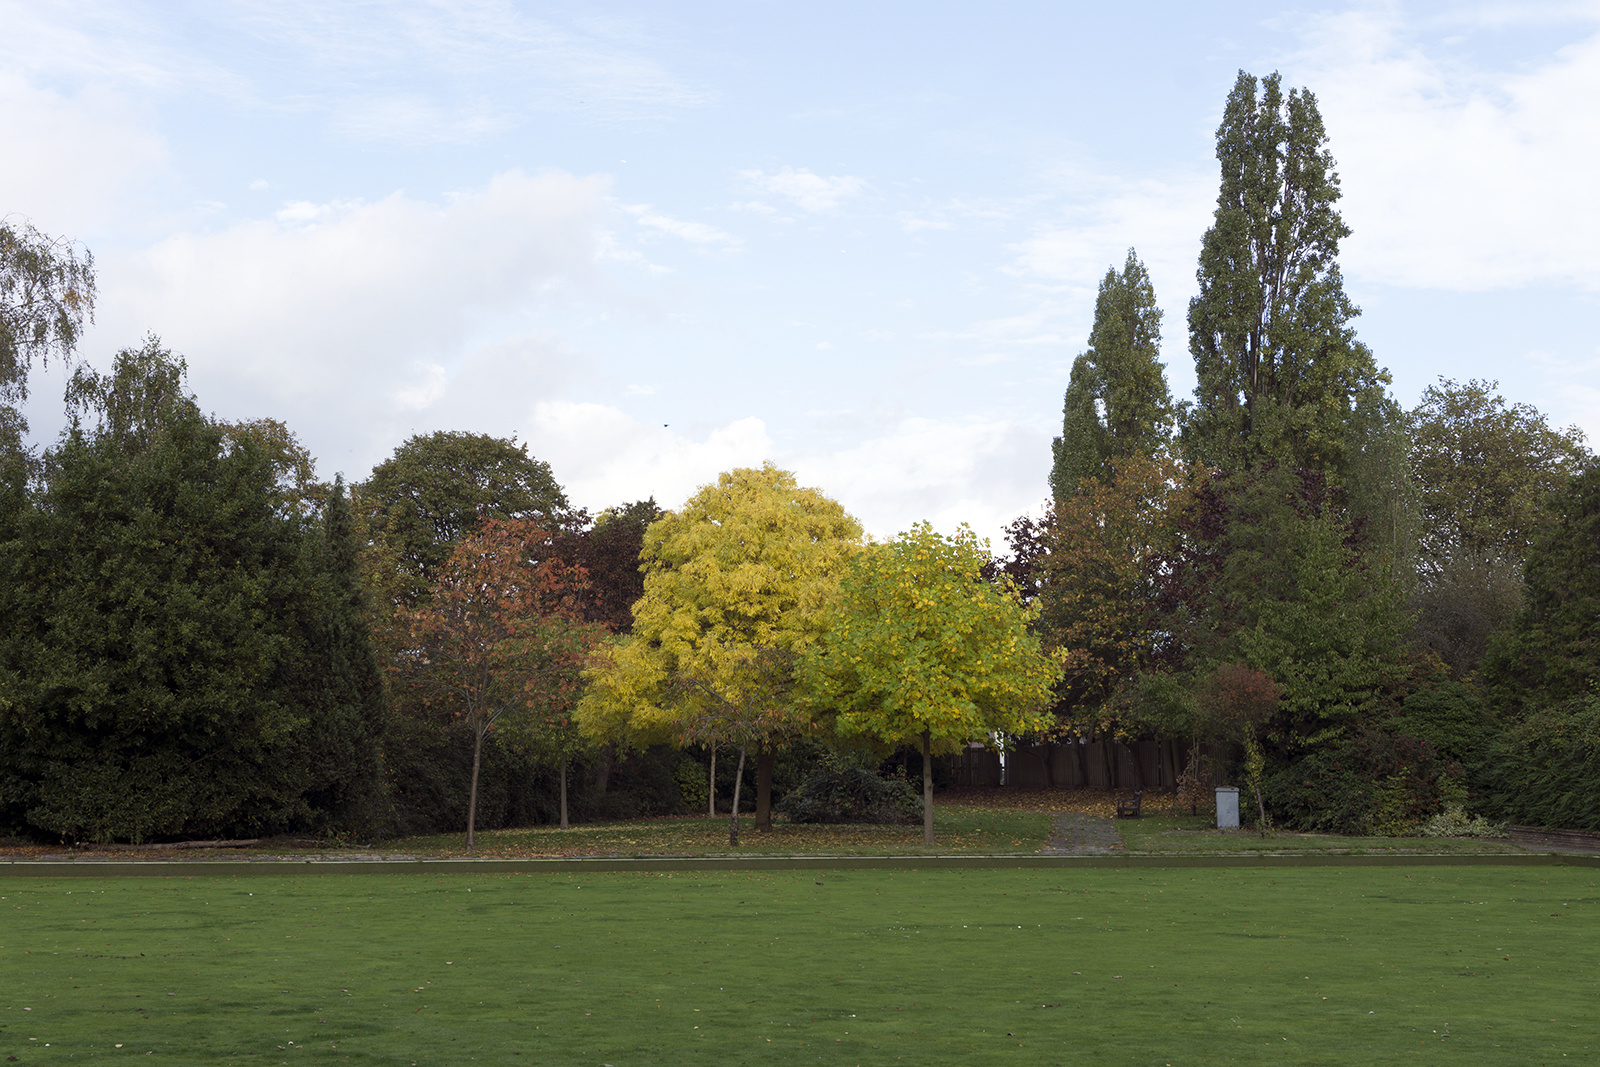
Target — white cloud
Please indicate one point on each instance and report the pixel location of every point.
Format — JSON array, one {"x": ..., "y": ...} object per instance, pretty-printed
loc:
[
  {"x": 983, "y": 472},
  {"x": 359, "y": 321},
  {"x": 693, "y": 232},
  {"x": 71, "y": 160},
  {"x": 603, "y": 456},
  {"x": 1459, "y": 176},
  {"x": 811, "y": 192}
]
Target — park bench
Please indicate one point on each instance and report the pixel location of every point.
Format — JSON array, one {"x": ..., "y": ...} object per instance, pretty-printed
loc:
[{"x": 1128, "y": 807}]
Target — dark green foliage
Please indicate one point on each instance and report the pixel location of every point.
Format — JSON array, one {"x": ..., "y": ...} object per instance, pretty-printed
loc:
[
  {"x": 608, "y": 552},
  {"x": 836, "y": 793},
  {"x": 181, "y": 658},
  {"x": 1272, "y": 575},
  {"x": 1117, "y": 403},
  {"x": 1552, "y": 654},
  {"x": 426, "y": 497},
  {"x": 429, "y": 767},
  {"x": 1280, "y": 371},
  {"x": 1376, "y": 782},
  {"x": 1544, "y": 768},
  {"x": 1452, "y": 719}
]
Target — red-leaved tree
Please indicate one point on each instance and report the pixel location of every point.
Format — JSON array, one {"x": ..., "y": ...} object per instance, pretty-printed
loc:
[{"x": 501, "y": 640}]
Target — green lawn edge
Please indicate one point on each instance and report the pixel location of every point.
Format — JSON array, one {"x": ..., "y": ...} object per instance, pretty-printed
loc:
[{"x": 234, "y": 868}]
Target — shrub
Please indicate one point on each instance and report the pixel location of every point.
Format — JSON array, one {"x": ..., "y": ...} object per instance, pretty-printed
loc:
[
  {"x": 1454, "y": 821},
  {"x": 849, "y": 794},
  {"x": 1544, "y": 769}
]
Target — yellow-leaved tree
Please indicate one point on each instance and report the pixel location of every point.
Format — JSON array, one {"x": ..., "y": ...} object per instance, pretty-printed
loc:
[
  {"x": 738, "y": 584},
  {"x": 922, "y": 649}
]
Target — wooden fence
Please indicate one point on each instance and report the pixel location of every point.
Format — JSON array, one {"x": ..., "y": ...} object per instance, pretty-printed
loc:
[{"x": 1152, "y": 765}]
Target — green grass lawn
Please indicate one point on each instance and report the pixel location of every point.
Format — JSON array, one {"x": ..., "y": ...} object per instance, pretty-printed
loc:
[
  {"x": 1347, "y": 965},
  {"x": 1161, "y": 833},
  {"x": 960, "y": 830}
]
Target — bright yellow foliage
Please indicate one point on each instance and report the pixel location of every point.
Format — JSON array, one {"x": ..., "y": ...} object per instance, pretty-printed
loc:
[
  {"x": 921, "y": 642},
  {"x": 738, "y": 583}
]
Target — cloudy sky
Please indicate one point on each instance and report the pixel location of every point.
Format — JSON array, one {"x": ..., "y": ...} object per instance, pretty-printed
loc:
[{"x": 862, "y": 240}]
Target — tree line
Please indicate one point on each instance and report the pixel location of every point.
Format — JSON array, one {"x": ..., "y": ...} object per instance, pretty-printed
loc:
[
  {"x": 1369, "y": 616},
  {"x": 1383, "y": 614}
]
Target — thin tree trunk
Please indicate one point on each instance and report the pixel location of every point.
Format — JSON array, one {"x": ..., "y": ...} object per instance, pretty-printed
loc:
[
  {"x": 764, "y": 760},
  {"x": 565, "y": 825},
  {"x": 1045, "y": 752},
  {"x": 733, "y": 823},
  {"x": 711, "y": 790},
  {"x": 1138, "y": 765},
  {"x": 927, "y": 788},
  {"x": 472, "y": 794},
  {"x": 1083, "y": 762}
]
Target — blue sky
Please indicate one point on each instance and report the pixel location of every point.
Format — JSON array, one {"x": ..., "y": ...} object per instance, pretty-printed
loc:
[{"x": 861, "y": 240}]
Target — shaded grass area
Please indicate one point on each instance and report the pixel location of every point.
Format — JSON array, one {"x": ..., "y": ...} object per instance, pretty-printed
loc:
[
  {"x": 958, "y": 831},
  {"x": 1209, "y": 966},
  {"x": 1186, "y": 834}
]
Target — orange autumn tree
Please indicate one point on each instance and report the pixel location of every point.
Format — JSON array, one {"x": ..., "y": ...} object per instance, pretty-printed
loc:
[
  {"x": 500, "y": 643},
  {"x": 1098, "y": 587}
]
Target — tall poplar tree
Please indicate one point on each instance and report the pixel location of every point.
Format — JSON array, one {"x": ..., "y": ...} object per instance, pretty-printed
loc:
[
  {"x": 1279, "y": 368},
  {"x": 1117, "y": 402}
]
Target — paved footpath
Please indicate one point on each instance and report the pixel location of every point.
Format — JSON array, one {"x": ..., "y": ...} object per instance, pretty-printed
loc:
[{"x": 1083, "y": 835}]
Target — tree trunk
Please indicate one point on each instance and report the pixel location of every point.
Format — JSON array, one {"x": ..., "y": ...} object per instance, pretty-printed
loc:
[
  {"x": 927, "y": 788},
  {"x": 764, "y": 760},
  {"x": 1083, "y": 762},
  {"x": 1138, "y": 766},
  {"x": 472, "y": 794},
  {"x": 1045, "y": 752},
  {"x": 733, "y": 823},
  {"x": 565, "y": 825},
  {"x": 602, "y": 777},
  {"x": 711, "y": 790}
]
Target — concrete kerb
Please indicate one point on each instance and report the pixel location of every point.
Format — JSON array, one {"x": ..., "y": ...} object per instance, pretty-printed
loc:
[{"x": 662, "y": 864}]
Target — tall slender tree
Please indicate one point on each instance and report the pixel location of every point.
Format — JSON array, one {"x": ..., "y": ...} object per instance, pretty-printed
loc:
[
  {"x": 1279, "y": 369},
  {"x": 1117, "y": 403}
]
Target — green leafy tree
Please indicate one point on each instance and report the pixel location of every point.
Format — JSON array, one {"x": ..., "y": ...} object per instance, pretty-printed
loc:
[
  {"x": 46, "y": 295},
  {"x": 920, "y": 648},
  {"x": 181, "y": 656},
  {"x": 1552, "y": 654},
  {"x": 1278, "y": 366},
  {"x": 1271, "y": 574},
  {"x": 737, "y": 582},
  {"x": 1117, "y": 404},
  {"x": 436, "y": 488},
  {"x": 1487, "y": 473}
]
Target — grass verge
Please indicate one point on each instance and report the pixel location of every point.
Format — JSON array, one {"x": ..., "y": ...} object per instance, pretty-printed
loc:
[
  {"x": 1186, "y": 834},
  {"x": 1211, "y": 966}
]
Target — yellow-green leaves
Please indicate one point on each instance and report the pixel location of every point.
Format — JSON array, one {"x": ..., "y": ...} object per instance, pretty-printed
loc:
[
  {"x": 919, "y": 642},
  {"x": 737, "y": 581}
]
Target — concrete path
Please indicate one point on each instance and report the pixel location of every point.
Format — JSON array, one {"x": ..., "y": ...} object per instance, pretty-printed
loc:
[{"x": 1083, "y": 835}]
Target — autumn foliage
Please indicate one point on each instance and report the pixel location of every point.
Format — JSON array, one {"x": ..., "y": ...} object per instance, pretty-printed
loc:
[{"x": 501, "y": 639}]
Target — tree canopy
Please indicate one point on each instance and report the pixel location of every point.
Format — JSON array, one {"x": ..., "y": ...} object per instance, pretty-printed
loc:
[
  {"x": 47, "y": 293},
  {"x": 919, "y": 648},
  {"x": 1117, "y": 403},
  {"x": 737, "y": 582},
  {"x": 435, "y": 488},
  {"x": 1278, "y": 366},
  {"x": 181, "y": 656}
]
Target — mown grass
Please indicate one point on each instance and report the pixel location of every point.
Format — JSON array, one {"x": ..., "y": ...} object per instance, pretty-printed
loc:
[
  {"x": 1169, "y": 834},
  {"x": 958, "y": 830},
  {"x": 1482, "y": 965}
]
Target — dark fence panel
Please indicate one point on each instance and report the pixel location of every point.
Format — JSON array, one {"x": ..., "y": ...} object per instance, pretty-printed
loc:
[{"x": 1148, "y": 765}]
